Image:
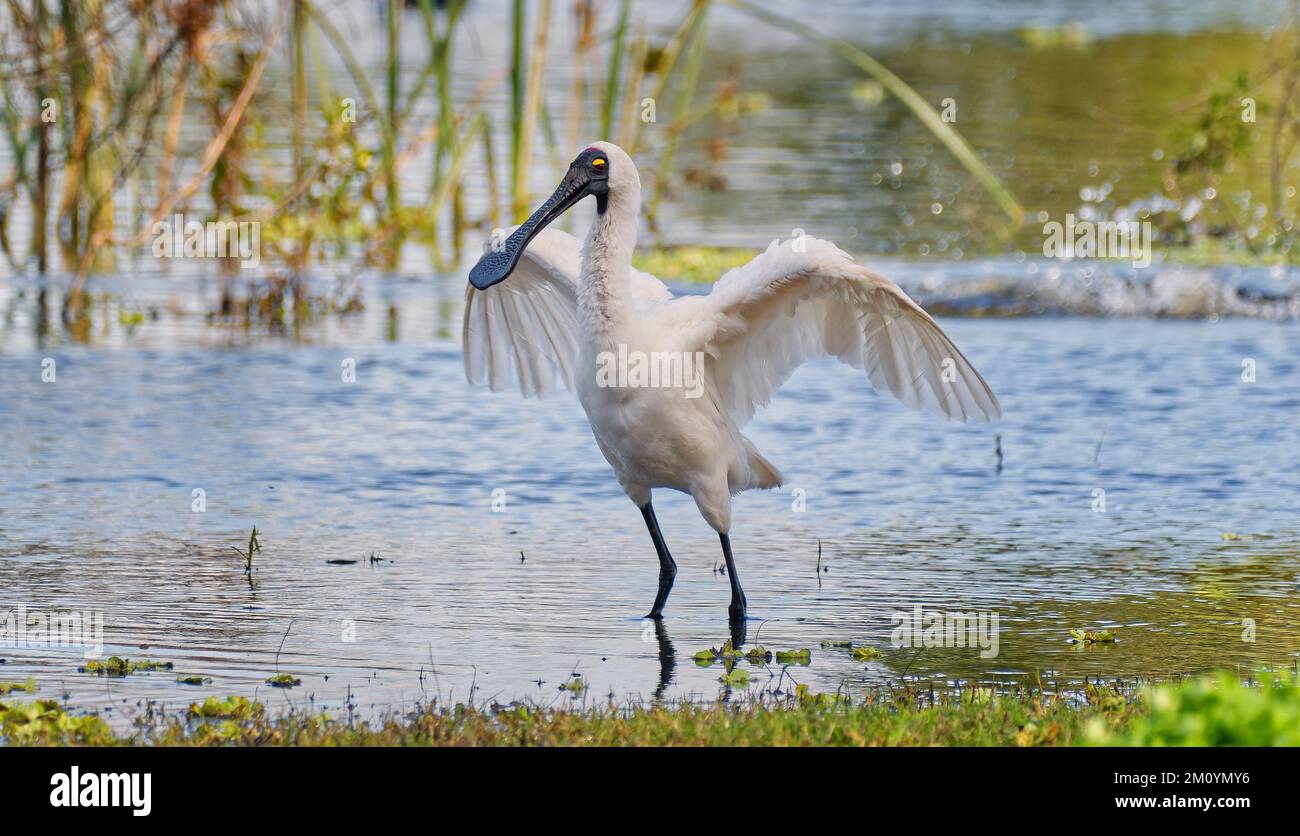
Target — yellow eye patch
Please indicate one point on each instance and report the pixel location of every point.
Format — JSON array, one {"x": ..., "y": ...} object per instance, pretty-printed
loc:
[{"x": 598, "y": 162}]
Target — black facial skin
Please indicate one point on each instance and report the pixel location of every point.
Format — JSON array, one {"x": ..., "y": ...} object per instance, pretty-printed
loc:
[{"x": 587, "y": 175}]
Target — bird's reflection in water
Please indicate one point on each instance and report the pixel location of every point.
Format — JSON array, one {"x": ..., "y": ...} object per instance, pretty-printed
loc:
[
  {"x": 667, "y": 658},
  {"x": 738, "y": 632},
  {"x": 668, "y": 654}
]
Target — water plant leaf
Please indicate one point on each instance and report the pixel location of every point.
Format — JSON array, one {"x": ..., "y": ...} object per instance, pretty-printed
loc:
[
  {"x": 802, "y": 656},
  {"x": 727, "y": 652},
  {"x": 740, "y": 677},
  {"x": 283, "y": 680},
  {"x": 117, "y": 666},
  {"x": 1093, "y": 636},
  {"x": 28, "y": 687},
  {"x": 865, "y": 654},
  {"x": 575, "y": 686}
]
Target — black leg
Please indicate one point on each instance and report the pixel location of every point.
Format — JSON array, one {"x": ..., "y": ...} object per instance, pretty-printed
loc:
[
  {"x": 667, "y": 568},
  {"x": 738, "y": 603}
]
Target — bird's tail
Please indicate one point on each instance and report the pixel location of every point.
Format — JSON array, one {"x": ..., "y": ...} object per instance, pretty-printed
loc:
[{"x": 762, "y": 473}]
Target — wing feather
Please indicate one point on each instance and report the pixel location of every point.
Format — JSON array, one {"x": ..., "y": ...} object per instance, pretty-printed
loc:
[
  {"x": 525, "y": 330},
  {"x": 798, "y": 301}
]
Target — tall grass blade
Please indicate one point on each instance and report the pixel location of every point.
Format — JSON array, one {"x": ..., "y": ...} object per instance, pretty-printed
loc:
[
  {"x": 612, "y": 74},
  {"x": 909, "y": 97},
  {"x": 531, "y": 110}
]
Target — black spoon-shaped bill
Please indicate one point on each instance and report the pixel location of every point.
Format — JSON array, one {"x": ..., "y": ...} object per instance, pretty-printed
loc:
[{"x": 582, "y": 179}]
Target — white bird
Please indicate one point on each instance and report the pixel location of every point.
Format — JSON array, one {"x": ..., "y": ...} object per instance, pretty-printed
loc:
[{"x": 668, "y": 382}]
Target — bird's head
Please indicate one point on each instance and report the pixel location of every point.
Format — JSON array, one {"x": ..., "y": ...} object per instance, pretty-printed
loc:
[{"x": 602, "y": 170}]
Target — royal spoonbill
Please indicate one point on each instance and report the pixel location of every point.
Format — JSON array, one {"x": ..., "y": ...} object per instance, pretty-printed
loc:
[{"x": 573, "y": 312}]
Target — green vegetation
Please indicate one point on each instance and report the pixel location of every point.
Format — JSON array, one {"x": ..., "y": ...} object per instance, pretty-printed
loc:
[
  {"x": 254, "y": 546},
  {"x": 689, "y": 263},
  {"x": 283, "y": 680},
  {"x": 803, "y": 720},
  {"x": 1218, "y": 710},
  {"x": 46, "y": 723}
]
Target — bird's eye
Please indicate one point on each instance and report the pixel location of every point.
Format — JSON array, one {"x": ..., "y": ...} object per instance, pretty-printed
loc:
[{"x": 599, "y": 162}]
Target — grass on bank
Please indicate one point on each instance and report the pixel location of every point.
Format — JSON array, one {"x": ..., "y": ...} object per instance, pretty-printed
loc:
[{"x": 1217, "y": 711}]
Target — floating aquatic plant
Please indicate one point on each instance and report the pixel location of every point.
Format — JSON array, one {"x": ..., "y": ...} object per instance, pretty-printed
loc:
[
  {"x": 691, "y": 263},
  {"x": 283, "y": 680},
  {"x": 858, "y": 652},
  {"x": 575, "y": 686},
  {"x": 117, "y": 666},
  {"x": 1093, "y": 636},
  {"x": 740, "y": 677},
  {"x": 728, "y": 653},
  {"x": 9, "y": 687},
  {"x": 794, "y": 657}
]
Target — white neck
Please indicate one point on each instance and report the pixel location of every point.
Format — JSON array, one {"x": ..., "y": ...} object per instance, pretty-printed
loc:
[{"x": 604, "y": 295}]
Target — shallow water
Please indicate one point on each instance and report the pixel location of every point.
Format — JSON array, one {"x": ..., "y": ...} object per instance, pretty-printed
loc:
[
  {"x": 1112, "y": 379},
  {"x": 99, "y": 468}
]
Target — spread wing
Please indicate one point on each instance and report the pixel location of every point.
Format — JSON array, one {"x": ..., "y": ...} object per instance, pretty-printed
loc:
[
  {"x": 805, "y": 299},
  {"x": 526, "y": 328}
]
